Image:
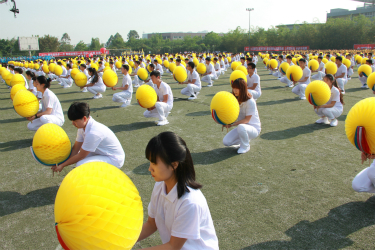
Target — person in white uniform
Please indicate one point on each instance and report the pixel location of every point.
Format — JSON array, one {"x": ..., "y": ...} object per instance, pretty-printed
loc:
[
  {"x": 253, "y": 81},
  {"x": 341, "y": 74},
  {"x": 96, "y": 85},
  {"x": 363, "y": 78},
  {"x": 193, "y": 82},
  {"x": 248, "y": 122},
  {"x": 20, "y": 71},
  {"x": 330, "y": 111},
  {"x": 320, "y": 71},
  {"x": 67, "y": 80},
  {"x": 83, "y": 69},
  {"x": 95, "y": 142},
  {"x": 350, "y": 69},
  {"x": 136, "y": 82},
  {"x": 284, "y": 79},
  {"x": 164, "y": 102},
  {"x": 51, "y": 108},
  {"x": 217, "y": 68},
  {"x": 125, "y": 96},
  {"x": 304, "y": 81},
  {"x": 158, "y": 67},
  {"x": 177, "y": 210},
  {"x": 209, "y": 75}
]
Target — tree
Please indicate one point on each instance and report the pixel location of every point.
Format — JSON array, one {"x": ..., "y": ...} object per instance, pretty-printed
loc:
[
  {"x": 48, "y": 44},
  {"x": 81, "y": 46},
  {"x": 117, "y": 42},
  {"x": 133, "y": 34},
  {"x": 95, "y": 44},
  {"x": 109, "y": 41},
  {"x": 65, "y": 38},
  {"x": 213, "y": 40}
]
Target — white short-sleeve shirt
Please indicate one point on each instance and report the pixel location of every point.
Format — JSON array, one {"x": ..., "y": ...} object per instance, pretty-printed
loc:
[
  {"x": 159, "y": 68},
  {"x": 335, "y": 97},
  {"x": 50, "y": 100},
  {"x": 321, "y": 67},
  {"x": 194, "y": 76},
  {"x": 210, "y": 68},
  {"x": 164, "y": 89},
  {"x": 187, "y": 217},
  {"x": 254, "y": 79},
  {"x": 306, "y": 73},
  {"x": 250, "y": 108},
  {"x": 126, "y": 80},
  {"x": 340, "y": 70},
  {"x": 99, "y": 139}
]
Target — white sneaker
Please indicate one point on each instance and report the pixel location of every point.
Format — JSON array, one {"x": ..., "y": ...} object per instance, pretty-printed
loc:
[
  {"x": 303, "y": 98},
  {"x": 124, "y": 105},
  {"x": 97, "y": 96},
  {"x": 291, "y": 86},
  {"x": 163, "y": 122},
  {"x": 243, "y": 150},
  {"x": 84, "y": 90},
  {"x": 334, "y": 123},
  {"x": 323, "y": 120},
  {"x": 343, "y": 92},
  {"x": 209, "y": 85},
  {"x": 196, "y": 94},
  {"x": 193, "y": 97}
]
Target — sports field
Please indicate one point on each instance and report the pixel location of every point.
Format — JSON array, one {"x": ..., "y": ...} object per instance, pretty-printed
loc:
[{"x": 291, "y": 191}]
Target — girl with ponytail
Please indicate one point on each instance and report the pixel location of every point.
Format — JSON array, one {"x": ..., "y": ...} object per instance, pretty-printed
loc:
[{"x": 178, "y": 209}]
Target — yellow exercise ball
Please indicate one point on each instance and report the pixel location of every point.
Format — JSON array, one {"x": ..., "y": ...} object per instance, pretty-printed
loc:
[
  {"x": 358, "y": 59},
  {"x": 273, "y": 63},
  {"x": 80, "y": 79},
  {"x": 229, "y": 59},
  {"x": 224, "y": 108},
  {"x": 4, "y": 73},
  {"x": 142, "y": 74},
  {"x": 360, "y": 125},
  {"x": 106, "y": 64},
  {"x": 284, "y": 67},
  {"x": 45, "y": 69},
  {"x": 106, "y": 68},
  {"x": 17, "y": 79},
  {"x": 166, "y": 63},
  {"x": 201, "y": 68},
  {"x": 94, "y": 66},
  {"x": 118, "y": 64},
  {"x": 333, "y": 59},
  {"x": 317, "y": 93},
  {"x": 371, "y": 81},
  {"x": 234, "y": 65},
  {"x": 51, "y": 67},
  {"x": 313, "y": 65},
  {"x": 74, "y": 72},
  {"x": 331, "y": 68},
  {"x": 242, "y": 68},
  {"x": 51, "y": 145},
  {"x": 15, "y": 89},
  {"x": 324, "y": 60},
  {"x": 172, "y": 66},
  {"x": 236, "y": 75},
  {"x": 58, "y": 70},
  {"x": 294, "y": 73},
  {"x": 36, "y": 66},
  {"x": 8, "y": 78},
  {"x": 98, "y": 207},
  {"x": 346, "y": 62},
  {"x": 131, "y": 63},
  {"x": 25, "y": 103},
  {"x": 146, "y": 96},
  {"x": 365, "y": 69},
  {"x": 110, "y": 78},
  {"x": 195, "y": 61},
  {"x": 364, "y": 60},
  {"x": 75, "y": 66},
  {"x": 179, "y": 74}
]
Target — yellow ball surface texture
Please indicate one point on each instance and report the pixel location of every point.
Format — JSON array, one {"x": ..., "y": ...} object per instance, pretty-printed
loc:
[
  {"x": 142, "y": 74},
  {"x": 201, "y": 68},
  {"x": 110, "y": 78},
  {"x": 365, "y": 69},
  {"x": 15, "y": 89},
  {"x": 179, "y": 74},
  {"x": 224, "y": 108},
  {"x": 80, "y": 79},
  {"x": 234, "y": 65},
  {"x": 172, "y": 66},
  {"x": 17, "y": 79},
  {"x": 313, "y": 65},
  {"x": 25, "y": 103},
  {"x": 371, "y": 81},
  {"x": 284, "y": 67},
  {"x": 236, "y": 75},
  {"x": 331, "y": 68},
  {"x": 294, "y": 73},
  {"x": 146, "y": 96},
  {"x": 317, "y": 93}
]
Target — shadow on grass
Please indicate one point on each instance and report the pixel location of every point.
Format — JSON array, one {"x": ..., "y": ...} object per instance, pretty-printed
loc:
[
  {"x": 354, "y": 90},
  {"x": 77, "y": 100},
  {"x": 210, "y": 95},
  {"x": 132, "y": 126},
  {"x": 278, "y": 102},
  {"x": 13, "y": 202},
  {"x": 199, "y": 113},
  {"x": 293, "y": 132},
  {"x": 214, "y": 156},
  {"x": 103, "y": 108},
  {"x": 21, "y": 119},
  {"x": 14, "y": 145},
  {"x": 342, "y": 118},
  {"x": 69, "y": 93},
  {"x": 330, "y": 232},
  {"x": 6, "y": 108},
  {"x": 274, "y": 87},
  {"x": 142, "y": 169}
]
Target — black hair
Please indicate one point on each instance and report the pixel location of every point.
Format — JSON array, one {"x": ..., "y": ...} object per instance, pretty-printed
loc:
[
  {"x": 191, "y": 64},
  {"x": 242, "y": 58},
  {"x": 45, "y": 81},
  {"x": 69, "y": 66},
  {"x": 178, "y": 60},
  {"x": 289, "y": 57},
  {"x": 78, "y": 110},
  {"x": 208, "y": 59},
  {"x": 30, "y": 73},
  {"x": 280, "y": 56},
  {"x": 302, "y": 60},
  {"x": 155, "y": 60},
  {"x": 83, "y": 65},
  {"x": 155, "y": 73},
  {"x": 369, "y": 61},
  {"x": 339, "y": 58},
  {"x": 138, "y": 62},
  {"x": 252, "y": 65},
  {"x": 11, "y": 67},
  {"x": 125, "y": 67},
  {"x": 59, "y": 63},
  {"x": 169, "y": 147},
  {"x": 100, "y": 62},
  {"x": 215, "y": 59},
  {"x": 334, "y": 83},
  {"x": 94, "y": 74},
  {"x": 369, "y": 53},
  {"x": 249, "y": 59},
  {"x": 111, "y": 62},
  {"x": 151, "y": 65},
  {"x": 18, "y": 70},
  {"x": 320, "y": 57}
]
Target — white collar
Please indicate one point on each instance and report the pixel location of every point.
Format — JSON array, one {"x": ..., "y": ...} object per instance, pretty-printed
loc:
[{"x": 172, "y": 195}]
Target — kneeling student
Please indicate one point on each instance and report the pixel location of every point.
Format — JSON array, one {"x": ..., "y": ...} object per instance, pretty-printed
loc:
[
  {"x": 193, "y": 84},
  {"x": 125, "y": 96}
]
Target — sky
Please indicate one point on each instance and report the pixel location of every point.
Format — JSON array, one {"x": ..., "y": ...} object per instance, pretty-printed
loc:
[{"x": 84, "y": 19}]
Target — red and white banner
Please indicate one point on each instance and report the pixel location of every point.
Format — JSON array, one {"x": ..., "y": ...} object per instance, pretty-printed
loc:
[
  {"x": 364, "y": 46},
  {"x": 277, "y": 48},
  {"x": 72, "y": 53}
]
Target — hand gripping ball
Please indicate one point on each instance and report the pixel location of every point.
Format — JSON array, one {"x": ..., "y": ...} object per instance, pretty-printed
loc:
[
  {"x": 118, "y": 64},
  {"x": 25, "y": 103},
  {"x": 313, "y": 65},
  {"x": 331, "y": 68},
  {"x": 74, "y": 72},
  {"x": 172, "y": 66},
  {"x": 317, "y": 93},
  {"x": 15, "y": 89},
  {"x": 236, "y": 75},
  {"x": 146, "y": 96},
  {"x": 365, "y": 69},
  {"x": 98, "y": 207},
  {"x": 360, "y": 125},
  {"x": 371, "y": 81},
  {"x": 45, "y": 69},
  {"x": 142, "y": 74},
  {"x": 284, "y": 67},
  {"x": 179, "y": 74},
  {"x": 273, "y": 63},
  {"x": 17, "y": 79},
  {"x": 242, "y": 68},
  {"x": 80, "y": 79},
  {"x": 294, "y": 73},
  {"x": 201, "y": 68},
  {"x": 51, "y": 145},
  {"x": 110, "y": 78},
  {"x": 224, "y": 108},
  {"x": 234, "y": 65}
]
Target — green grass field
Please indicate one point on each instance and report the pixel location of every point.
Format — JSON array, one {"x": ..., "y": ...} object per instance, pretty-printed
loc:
[{"x": 291, "y": 191}]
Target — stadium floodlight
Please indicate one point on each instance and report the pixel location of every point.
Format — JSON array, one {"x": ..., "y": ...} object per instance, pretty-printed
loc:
[{"x": 249, "y": 10}]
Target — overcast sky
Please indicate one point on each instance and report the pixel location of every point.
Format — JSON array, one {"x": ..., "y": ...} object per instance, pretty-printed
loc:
[{"x": 84, "y": 19}]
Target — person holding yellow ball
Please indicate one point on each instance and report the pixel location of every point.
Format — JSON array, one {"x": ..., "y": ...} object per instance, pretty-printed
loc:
[
  {"x": 362, "y": 77},
  {"x": 193, "y": 82},
  {"x": 158, "y": 67},
  {"x": 320, "y": 71},
  {"x": 96, "y": 84},
  {"x": 136, "y": 82},
  {"x": 248, "y": 122},
  {"x": 253, "y": 81},
  {"x": 125, "y": 96},
  {"x": 341, "y": 74},
  {"x": 285, "y": 79},
  {"x": 330, "y": 111},
  {"x": 304, "y": 81},
  {"x": 51, "y": 108},
  {"x": 210, "y": 73}
]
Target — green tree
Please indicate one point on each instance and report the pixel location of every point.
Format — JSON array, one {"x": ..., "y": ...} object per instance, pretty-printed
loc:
[
  {"x": 81, "y": 46},
  {"x": 133, "y": 34},
  {"x": 48, "y": 44},
  {"x": 212, "y": 40},
  {"x": 95, "y": 44}
]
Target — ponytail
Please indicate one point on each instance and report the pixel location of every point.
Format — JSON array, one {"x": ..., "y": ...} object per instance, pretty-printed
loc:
[
  {"x": 95, "y": 75},
  {"x": 334, "y": 83},
  {"x": 45, "y": 81}
]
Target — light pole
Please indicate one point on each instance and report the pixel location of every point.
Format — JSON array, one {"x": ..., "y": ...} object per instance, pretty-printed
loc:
[{"x": 249, "y": 10}]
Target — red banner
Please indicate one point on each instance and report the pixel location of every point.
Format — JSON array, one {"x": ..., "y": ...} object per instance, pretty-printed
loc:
[
  {"x": 364, "y": 46},
  {"x": 72, "y": 53},
  {"x": 277, "y": 48}
]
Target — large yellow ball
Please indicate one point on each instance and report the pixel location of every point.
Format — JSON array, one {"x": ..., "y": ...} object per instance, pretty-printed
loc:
[
  {"x": 331, "y": 68},
  {"x": 45, "y": 69},
  {"x": 362, "y": 116},
  {"x": 242, "y": 68},
  {"x": 98, "y": 207},
  {"x": 365, "y": 69},
  {"x": 273, "y": 63},
  {"x": 75, "y": 66},
  {"x": 74, "y": 72},
  {"x": 324, "y": 60},
  {"x": 201, "y": 68},
  {"x": 146, "y": 96},
  {"x": 179, "y": 74},
  {"x": 106, "y": 64},
  {"x": 118, "y": 64},
  {"x": 15, "y": 89},
  {"x": 36, "y": 66},
  {"x": 17, "y": 79},
  {"x": 195, "y": 61},
  {"x": 8, "y": 78},
  {"x": 58, "y": 70},
  {"x": 130, "y": 69},
  {"x": 110, "y": 78},
  {"x": 25, "y": 103},
  {"x": 237, "y": 74},
  {"x": 234, "y": 65},
  {"x": 51, "y": 67},
  {"x": 131, "y": 63},
  {"x": 172, "y": 66},
  {"x": 51, "y": 145},
  {"x": 333, "y": 59},
  {"x": 80, "y": 79},
  {"x": 229, "y": 59},
  {"x": 106, "y": 68},
  {"x": 94, "y": 66},
  {"x": 313, "y": 65},
  {"x": 346, "y": 62},
  {"x": 166, "y": 63},
  {"x": 284, "y": 67},
  {"x": 364, "y": 60},
  {"x": 294, "y": 73},
  {"x": 371, "y": 81},
  {"x": 142, "y": 74},
  {"x": 224, "y": 108},
  {"x": 317, "y": 93},
  {"x": 4, "y": 73},
  {"x": 358, "y": 59}
]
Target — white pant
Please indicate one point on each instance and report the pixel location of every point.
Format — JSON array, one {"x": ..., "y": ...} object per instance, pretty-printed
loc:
[
  {"x": 95, "y": 89},
  {"x": 300, "y": 90},
  {"x": 330, "y": 113},
  {"x": 218, "y": 73},
  {"x": 277, "y": 74},
  {"x": 254, "y": 93},
  {"x": 160, "y": 111},
  {"x": 363, "y": 80},
  {"x": 137, "y": 81},
  {"x": 240, "y": 135},
  {"x": 341, "y": 83},
  {"x": 364, "y": 181},
  {"x": 101, "y": 74},
  {"x": 285, "y": 80},
  {"x": 122, "y": 97},
  {"x": 92, "y": 157},
  {"x": 208, "y": 78},
  {"x": 318, "y": 76},
  {"x": 350, "y": 72},
  {"x": 66, "y": 82},
  {"x": 190, "y": 89},
  {"x": 44, "y": 119}
]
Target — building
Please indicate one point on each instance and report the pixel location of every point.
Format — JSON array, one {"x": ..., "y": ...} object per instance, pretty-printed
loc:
[
  {"x": 368, "y": 10},
  {"x": 175, "y": 36},
  {"x": 296, "y": 25}
]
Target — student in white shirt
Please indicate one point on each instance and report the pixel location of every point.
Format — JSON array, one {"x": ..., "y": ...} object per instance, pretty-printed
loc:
[
  {"x": 136, "y": 82},
  {"x": 330, "y": 111},
  {"x": 209, "y": 75},
  {"x": 30, "y": 75},
  {"x": 20, "y": 71},
  {"x": 178, "y": 210},
  {"x": 101, "y": 69},
  {"x": 341, "y": 74},
  {"x": 193, "y": 83},
  {"x": 158, "y": 67},
  {"x": 253, "y": 81},
  {"x": 96, "y": 85},
  {"x": 164, "y": 102},
  {"x": 66, "y": 79},
  {"x": 51, "y": 108},
  {"x": 125, "y": 96},
  {"x": 83, "y": 69},
  {"x": 365, "y": 180},
  {"x": 350, "y": 71},
  {"x": 321, "y": 70},
  {"x": 363, "y": 78},
  {"x": 95, "y": 142},
  {"x": 284, "y": 79},
  {"x": 248, "y": 122},
  {"x": 304, "y": 81},
  {"x": 217, "y": 68}
]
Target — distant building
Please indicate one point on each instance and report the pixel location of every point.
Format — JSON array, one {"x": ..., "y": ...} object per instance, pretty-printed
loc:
[
  {"x": 176, "y": 36},
  {"x": 297, "y": 25},
  {"x": 367, "y": 10}
]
